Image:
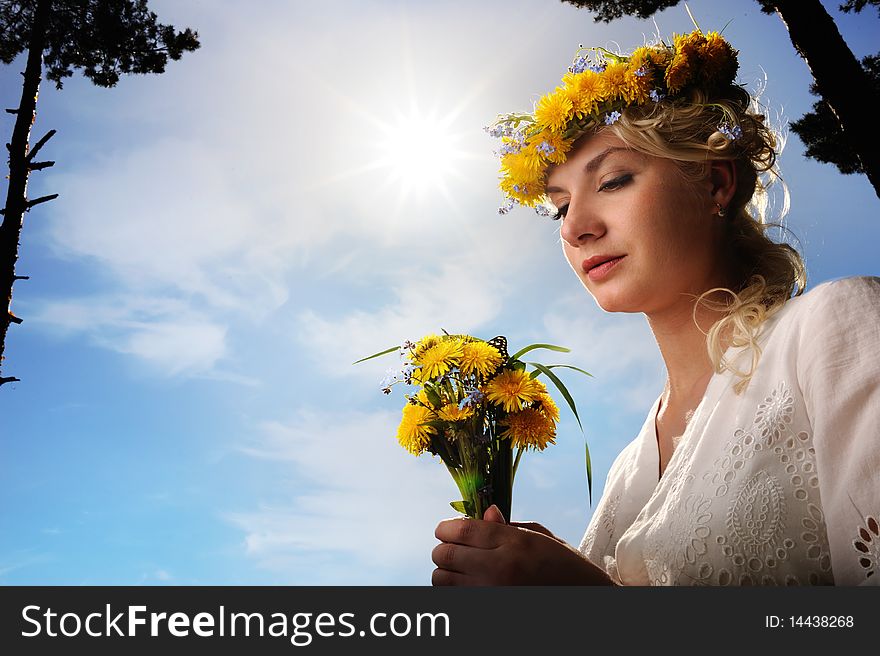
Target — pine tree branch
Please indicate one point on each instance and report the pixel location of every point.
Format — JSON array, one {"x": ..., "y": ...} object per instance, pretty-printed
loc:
[
  {"x": 41, "y": 199},
  {"x": 40, "y": 144}
]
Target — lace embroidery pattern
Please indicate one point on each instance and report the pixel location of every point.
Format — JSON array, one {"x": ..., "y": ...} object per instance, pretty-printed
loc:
[
  {"x": 758, "y": 538},
  {"x": 605, "y": 520},
  {"x": 680, "y": 542},
  {"x": 774, "y": 414},
  {"x": 867, "y": 546}
]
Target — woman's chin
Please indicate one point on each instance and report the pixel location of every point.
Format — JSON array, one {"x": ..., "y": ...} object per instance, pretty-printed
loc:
[{"x": 611, "y": 301}]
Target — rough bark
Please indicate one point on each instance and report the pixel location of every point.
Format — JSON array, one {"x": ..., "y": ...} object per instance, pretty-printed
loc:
[
  {"x": 19, "y": 171},
  {"x": 840, "y": 79}
]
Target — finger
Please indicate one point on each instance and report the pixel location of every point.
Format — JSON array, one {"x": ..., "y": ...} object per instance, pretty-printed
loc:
[
  {"x": 462, "y": 559},
  {"x": 446, "y": 577},
  {"x": 470, "y": 532},
  {"x": 494, "y": 514},
  {"x": 536, "y": 527}
]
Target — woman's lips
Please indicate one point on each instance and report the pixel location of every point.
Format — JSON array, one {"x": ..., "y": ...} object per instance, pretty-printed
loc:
[{"x": 601, "y": 271}]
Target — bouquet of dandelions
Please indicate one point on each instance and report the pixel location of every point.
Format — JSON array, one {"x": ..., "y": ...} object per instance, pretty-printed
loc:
[{"x": 479, "y": 409}]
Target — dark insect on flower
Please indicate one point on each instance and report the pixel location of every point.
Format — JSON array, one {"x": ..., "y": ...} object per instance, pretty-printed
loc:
[
  {"x": 386, "y": 390},
  {"x": 500, "y": 342}
]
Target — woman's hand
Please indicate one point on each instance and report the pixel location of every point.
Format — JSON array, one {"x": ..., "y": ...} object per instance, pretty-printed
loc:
[{"x": 492, "y": 552}]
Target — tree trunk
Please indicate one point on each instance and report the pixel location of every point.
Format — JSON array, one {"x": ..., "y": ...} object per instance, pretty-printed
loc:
[
  {"x": 16, "y": 198},
  {"x": 839, "y": 76}
]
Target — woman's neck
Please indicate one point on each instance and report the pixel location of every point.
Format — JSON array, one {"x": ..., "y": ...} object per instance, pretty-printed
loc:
[{"x": 682, "y": 344}]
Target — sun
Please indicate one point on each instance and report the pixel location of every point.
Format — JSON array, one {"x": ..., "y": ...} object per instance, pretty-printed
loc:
[{"x": 419, "y": 152}]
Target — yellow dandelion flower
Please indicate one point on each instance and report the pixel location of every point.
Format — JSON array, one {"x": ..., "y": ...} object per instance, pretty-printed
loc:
[
  {"x": 584, "y": 91},
  {"x": 424, "y": 344},
  {"x": 529, "y": 428},
  {"x": 525, "y": 166},
  {"x": 479, "y": 358},
  {"x": 526, "y": 193},
  {"x": 554, "y": 111},
  {"x": 451, "y": 412},
  {"x": 438, "y": 359},
  {"x": 552, "y": 146},
  {"x": 548, "y": 407},
  {"x": 641, "y": 57},
  {"x": 719, "y": 64},
  {"x": 613, "y": 80},
  {"x": 637, "y": 84},
  {"x": 412, "y": 434},
  {"x": 679, "y": 73},
  {"x": 684, "y": 65},
  {"x": 512, "y": 389}
]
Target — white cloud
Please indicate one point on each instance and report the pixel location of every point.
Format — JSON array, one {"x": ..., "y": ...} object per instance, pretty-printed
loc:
[
  {"x": 363, "y": 511},
  {"x": 164, "y": 334}
]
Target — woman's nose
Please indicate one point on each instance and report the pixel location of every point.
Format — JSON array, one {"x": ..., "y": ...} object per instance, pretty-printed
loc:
[{"x": 579, "y": 225}]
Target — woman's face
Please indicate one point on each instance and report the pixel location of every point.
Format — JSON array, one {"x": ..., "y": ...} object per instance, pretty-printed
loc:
[{"x": 636, "y": 233}]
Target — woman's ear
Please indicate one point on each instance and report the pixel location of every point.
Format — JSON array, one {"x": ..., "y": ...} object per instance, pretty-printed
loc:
[{"x": 722, "y": 176}]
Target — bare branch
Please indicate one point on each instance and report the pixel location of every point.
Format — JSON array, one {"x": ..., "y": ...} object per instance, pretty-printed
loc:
[
  {"x": 14, "y": 319},
  {"x": 40, "y": 144},
  {"x": 21, "y": 277},
  {"x": 11, "y": 111},
  {"x": 39, "y": 166},
  {"x": 9, "y": 379},
  {"x": 41, "y": 199}
]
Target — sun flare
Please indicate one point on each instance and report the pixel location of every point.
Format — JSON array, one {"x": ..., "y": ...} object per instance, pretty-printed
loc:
[{"x": 418, "y": 152}]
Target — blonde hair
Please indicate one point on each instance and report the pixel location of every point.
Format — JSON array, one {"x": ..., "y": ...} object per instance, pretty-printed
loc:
[{"x": 767, "y": 273}]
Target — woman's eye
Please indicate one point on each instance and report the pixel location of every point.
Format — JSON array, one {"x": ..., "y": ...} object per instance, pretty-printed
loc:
[
  {"x": 560, "y": 213},
  {"x": 616, "y": 183}
]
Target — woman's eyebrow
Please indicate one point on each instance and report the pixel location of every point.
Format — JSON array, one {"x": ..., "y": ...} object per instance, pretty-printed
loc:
[
  {"x": 596, "y": 162},
  {"x": 592, "y": 165}
]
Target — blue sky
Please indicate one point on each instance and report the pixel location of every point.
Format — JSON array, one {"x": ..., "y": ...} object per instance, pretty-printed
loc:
[{"x": 230, "y": 236}]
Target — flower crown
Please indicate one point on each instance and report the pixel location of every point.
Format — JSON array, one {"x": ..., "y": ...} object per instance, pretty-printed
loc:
[{"x": 598, "y": 86}]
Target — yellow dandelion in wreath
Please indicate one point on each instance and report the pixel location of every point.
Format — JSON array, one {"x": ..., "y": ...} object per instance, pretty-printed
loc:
[
  {"x": 613, "y": 82},
  {"x": 438, "y": 359},
  {"x": 637, "y": 84},
  {"x": 525, "y": 192},
  {"x": 530, "y": 428},
  {"x": 412, "y": 433},
  {"x": 512, "y": 389},
  {"x": 551, "y": 145},
  {"x": 584, "y": 90},
  {"x": 479, "y": 358},
  {"x": 683, "y": 68},
  {"x": 525, "y": 165},
  {"x": 554, "y": 110},
  {"x": 718, "y": 59}
]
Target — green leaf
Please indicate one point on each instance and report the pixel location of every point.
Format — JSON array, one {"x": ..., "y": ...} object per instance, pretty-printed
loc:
[
  {"x": 568, "y": 366},
  {"x": 546, "y": 371},
  {"x": 376, "y": 355},
  {"x": 532, "y": 347},
  {"x": 464, "y": 507},
  {"x": 589, "y": 471},
  {"x": 433, "y": 397},
  {"x": 537, "y": 372}
]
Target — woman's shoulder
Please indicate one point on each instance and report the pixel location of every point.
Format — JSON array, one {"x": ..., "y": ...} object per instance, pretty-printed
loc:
[{"x": 836, "y": 302}]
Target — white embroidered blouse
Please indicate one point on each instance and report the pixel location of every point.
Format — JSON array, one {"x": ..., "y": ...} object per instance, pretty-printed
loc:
[{"x": 779, "y": 485}]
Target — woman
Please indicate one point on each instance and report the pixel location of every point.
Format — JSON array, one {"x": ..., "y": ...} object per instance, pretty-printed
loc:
[{"x": 760, "y": 461}]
